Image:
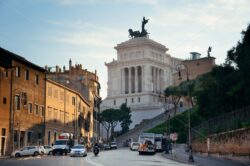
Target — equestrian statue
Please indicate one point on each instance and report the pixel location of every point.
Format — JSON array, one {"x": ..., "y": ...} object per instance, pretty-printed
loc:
[{"x": 143, "y": 33}]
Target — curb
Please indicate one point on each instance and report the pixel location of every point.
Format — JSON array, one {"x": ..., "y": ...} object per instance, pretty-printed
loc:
[
  {"x": 5, "y": 157},
  {"x": 171, "y": 157}
]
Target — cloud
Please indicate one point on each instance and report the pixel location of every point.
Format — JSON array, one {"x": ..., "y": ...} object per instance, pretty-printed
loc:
[
  {"x": 82, "y": 33},
  {"x": 215, "y": 14}
]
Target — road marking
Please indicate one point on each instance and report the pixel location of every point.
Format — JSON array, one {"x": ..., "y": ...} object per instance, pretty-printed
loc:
[
  {"x": 90, "y": 161},
  {"x": 5, "y": 163}
]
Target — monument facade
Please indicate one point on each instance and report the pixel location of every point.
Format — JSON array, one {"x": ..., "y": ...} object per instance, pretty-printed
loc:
[{"x": 139, "y": 76}]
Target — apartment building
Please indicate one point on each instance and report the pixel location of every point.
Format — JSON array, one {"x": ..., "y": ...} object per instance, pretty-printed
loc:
[
  {"x": 22, "y": 101},
  {"x": 66, "y": 112}
]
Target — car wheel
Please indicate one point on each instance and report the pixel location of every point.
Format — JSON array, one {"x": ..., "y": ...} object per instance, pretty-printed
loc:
[
  {"x": 49, "y": 153},
  {"x": 36, "y": 153},
  {"x": 17, "y": 155}
]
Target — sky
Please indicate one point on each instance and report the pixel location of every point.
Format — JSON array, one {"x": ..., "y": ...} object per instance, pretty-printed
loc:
[{"x": 50, "y": 32}]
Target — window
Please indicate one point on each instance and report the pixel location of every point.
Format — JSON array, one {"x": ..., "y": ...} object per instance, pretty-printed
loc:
[
  {"x": 39, "y": 135},
  {"x": 50, "y": 91},
  {"x": 73, "y": 101},
  {"x": 55, "y": 115},
  {"x": 36, "y": 110},
  {"x": 61, "y": 96},
  {"x": 30, "y": 108},
  {"x": 3, "y": 131},
  {"x": 29, "y": 137},
  {"x": 37, "y": 79},
  {"x": 114, "y": 102},
  {"x": 42, "y": 111},
  {"x": 18, "y": 71},
  {"x": 139, "y": 99},
  {"x": 50, "y": 113},
  {"x": 181, "y": 104},
  {"x": 56, "y": 93},
  {"x": 132, "y": 100},
  {"x": 17, "y": 102},
  {"x": 27, "y": 75},
  {"x": 4, "y": 100},
  {"x": 126, "y": 100}
]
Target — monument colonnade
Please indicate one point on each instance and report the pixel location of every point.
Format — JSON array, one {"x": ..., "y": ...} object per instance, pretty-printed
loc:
[{"x": 133, "y": 79}]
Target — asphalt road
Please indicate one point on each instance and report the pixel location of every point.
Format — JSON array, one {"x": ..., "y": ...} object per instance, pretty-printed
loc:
[{"x": 119, "y": 157}]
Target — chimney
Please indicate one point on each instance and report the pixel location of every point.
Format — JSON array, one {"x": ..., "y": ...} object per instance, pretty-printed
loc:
[
  {"x": 64, "y": 68},
  {"x": 70, "y": 64},
  {"x": 57, "y": 68}
]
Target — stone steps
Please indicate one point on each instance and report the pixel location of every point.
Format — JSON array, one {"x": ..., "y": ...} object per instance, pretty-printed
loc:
[{"x": 142, "y": 127}]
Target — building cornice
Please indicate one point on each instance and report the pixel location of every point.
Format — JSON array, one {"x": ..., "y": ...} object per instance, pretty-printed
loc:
[{"x": 140, "y": 41}]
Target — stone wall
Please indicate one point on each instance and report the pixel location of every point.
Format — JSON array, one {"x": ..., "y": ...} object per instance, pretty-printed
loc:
[{"x": 234, "y": 143}]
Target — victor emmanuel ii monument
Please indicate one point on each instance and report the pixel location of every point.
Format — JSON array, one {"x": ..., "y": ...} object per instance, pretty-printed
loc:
[{"x": 139, "y": 76}]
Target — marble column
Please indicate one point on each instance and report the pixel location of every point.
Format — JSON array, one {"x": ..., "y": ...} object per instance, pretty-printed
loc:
[
  {"x": 129, "y": 80},
  {"x": 136, "y": 79}
]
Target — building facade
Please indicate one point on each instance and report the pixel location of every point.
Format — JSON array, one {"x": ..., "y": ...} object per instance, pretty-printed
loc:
[
  {"x": 87, "y": 84},
  {"x": 138, "y": 77},
  {"x": 22, "y": 106},
  {"x": 66, "y": 112}
]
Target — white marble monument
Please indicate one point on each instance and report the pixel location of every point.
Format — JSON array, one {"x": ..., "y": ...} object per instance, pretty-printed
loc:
[{"x": 138, "y": 77}]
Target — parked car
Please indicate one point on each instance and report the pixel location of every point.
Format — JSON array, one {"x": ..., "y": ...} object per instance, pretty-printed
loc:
[
  {"x": 106, "y": 146},
  {"x": 78, "y": 150},
  {"x": 134, "y": 146},
  {"x": 47, "y": 149},
  {"x": 113, "y": 145},
  {"x": 28, "y": 151}
]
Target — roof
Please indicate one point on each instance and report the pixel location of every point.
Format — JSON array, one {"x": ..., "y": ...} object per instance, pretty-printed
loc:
[{"x": 6, "y": 58}]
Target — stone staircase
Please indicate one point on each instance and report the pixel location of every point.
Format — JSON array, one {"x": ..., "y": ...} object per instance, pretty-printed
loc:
[{"x": 142, "y": 127}]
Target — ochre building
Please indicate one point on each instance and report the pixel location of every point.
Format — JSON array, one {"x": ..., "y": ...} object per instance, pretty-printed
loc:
[
  {"x": 22, "y": 101},
  {"x": 66, "y": 112}
]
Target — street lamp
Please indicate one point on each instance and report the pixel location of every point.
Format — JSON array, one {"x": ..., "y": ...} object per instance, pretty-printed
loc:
[{"x": 190, "y": 158}]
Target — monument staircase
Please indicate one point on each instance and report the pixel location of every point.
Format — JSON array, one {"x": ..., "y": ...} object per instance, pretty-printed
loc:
[{"x": 143, "y": 126}]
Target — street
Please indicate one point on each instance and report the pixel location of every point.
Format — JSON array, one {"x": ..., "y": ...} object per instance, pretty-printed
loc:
[{"x": 119, "y": 157}]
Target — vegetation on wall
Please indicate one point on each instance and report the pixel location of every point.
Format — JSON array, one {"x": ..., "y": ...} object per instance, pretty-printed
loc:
[{"x": 226, "y": 88}]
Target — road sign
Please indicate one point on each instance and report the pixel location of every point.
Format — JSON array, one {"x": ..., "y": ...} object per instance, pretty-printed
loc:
[{"x": 173, "y": 136}]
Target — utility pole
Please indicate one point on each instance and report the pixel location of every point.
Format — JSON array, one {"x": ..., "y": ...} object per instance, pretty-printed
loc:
[{"x": 190, "y": 158}]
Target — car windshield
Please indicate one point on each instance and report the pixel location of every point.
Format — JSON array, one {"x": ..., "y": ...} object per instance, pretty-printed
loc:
[
  {"x": 78, "y": 147},
  {"x": 148, "y": 142},
  {"x": 113, "y": 143},
  {"x": 135, "y": 143},
  {"x": 60, "y": 142}
]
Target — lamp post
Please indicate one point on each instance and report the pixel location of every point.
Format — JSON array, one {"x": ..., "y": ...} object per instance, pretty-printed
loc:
[{"x": 190, "y": 158}]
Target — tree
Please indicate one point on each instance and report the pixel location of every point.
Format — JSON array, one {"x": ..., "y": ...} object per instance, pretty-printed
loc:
[
  {"x": 176, "y": 92},
  {"x": 125, "y": 118},
  {"x": 109, "y": 119}
]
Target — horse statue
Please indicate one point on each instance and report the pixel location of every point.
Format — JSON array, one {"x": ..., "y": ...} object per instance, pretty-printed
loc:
[
  {"x": 143, "y": 32},
  {"x": 134, "y": 34}
]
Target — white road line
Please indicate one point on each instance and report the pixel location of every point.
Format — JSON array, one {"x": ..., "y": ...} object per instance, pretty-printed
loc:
[{"x": 90, "y": 161}]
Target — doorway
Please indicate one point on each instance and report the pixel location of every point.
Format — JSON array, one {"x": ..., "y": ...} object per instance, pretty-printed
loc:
[{"x": 2, "y": 146}]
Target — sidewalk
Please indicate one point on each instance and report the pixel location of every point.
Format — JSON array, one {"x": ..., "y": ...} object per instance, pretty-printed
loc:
[{"x": 181, "y": 156}]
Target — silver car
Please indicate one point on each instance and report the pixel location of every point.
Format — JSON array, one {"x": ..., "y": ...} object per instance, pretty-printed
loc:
[
  {"x": 78, "y": 150},
  {"x": 28, "y": 151}
]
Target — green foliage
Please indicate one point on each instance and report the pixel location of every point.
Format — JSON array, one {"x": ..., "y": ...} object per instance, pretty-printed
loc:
[
  {"x": 179, "y": 124},
  {"x": 125, "y": 118}
]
